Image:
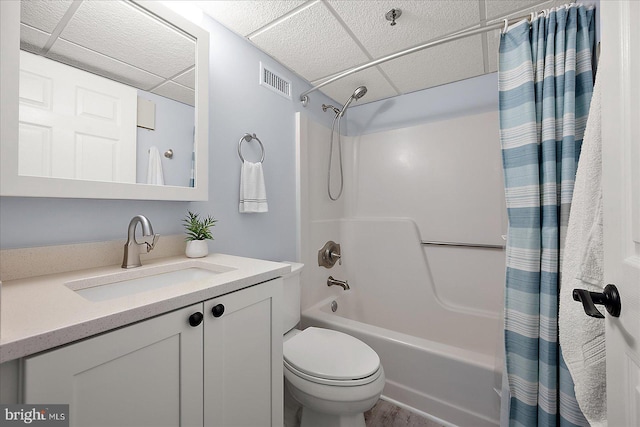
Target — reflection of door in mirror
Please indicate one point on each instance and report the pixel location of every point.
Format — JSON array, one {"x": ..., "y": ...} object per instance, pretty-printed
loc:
[
  {"x": 106, "y": 49},
  {"x": 74, "y": 124}
]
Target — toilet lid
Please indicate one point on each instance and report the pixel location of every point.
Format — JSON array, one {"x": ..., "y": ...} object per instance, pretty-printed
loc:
[{"x": 329, "y": 354}]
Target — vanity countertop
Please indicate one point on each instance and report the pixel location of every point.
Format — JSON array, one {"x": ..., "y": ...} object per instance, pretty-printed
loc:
[{"x": 40, "y": 313}]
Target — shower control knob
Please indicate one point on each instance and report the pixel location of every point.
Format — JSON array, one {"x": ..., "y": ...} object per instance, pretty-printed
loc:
[
  {"x": 195, "y": 319},
  {"x": 217, "y": 310}
]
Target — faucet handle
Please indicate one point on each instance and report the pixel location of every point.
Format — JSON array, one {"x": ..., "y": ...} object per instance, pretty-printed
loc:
[{"x": 153, "y": 243}]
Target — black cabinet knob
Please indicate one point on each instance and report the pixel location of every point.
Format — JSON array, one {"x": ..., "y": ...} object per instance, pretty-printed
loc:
[
  {"x": 217, "y": 310},
  {"x": 195, "y": 319},
  {"x": 610, "y": 298}
]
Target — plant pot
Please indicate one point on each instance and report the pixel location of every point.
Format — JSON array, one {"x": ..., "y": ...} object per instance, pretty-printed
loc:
[{"x": 197, "y": 249}]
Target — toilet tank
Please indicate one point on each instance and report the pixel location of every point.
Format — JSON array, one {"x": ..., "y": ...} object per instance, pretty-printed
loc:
[{"x": 291, "y": 297}]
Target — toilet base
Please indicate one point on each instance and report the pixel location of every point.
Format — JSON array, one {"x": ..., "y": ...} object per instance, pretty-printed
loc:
[{"x": 311, "y": 418}]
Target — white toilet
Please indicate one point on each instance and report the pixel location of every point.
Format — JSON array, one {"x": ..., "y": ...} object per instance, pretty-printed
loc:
[{"x": 333, "y": 376}]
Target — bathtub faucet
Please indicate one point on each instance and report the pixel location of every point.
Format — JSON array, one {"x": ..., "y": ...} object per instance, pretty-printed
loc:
[{"x": 344, "y": 284}]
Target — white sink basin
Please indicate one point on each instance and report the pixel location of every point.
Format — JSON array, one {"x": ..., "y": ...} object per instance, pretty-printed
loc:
[{"x": 141, "y": 279}]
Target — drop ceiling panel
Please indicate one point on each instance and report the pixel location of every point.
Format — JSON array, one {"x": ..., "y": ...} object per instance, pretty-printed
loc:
[
  {"x": 187, "y": 79},
  {"x": 377, "y": 87},
  {"x": 31, "y": 39},
  {"x": 252, "y": 16},
  {"x": 442, "y": 64},
  {"x": 177, "y": 92},
  {"x": 319, "y": 38},
  {"x": 420, "y": 22},
  {"x": 127, "y": 34},
  {"x": 43, "y": 14},
  {"x": 311, "y": 42},
  {"x": 79, "y": 57}
]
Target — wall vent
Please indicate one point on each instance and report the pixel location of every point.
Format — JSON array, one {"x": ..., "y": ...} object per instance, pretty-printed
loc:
[{"x": 271, "y": 80}]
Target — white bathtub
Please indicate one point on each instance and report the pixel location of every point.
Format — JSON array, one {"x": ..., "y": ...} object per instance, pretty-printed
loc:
[{"x": 445, "y": 382}]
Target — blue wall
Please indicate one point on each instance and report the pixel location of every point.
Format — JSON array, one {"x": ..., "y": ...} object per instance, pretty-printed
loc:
[
  {"x": 471, "y": 96},
  {"x": 238, "y": 105},
  {"x": 174, "y": 127}
]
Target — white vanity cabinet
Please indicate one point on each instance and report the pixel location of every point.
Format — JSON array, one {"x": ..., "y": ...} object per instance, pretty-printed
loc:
[{"x": 225, "y": 371}]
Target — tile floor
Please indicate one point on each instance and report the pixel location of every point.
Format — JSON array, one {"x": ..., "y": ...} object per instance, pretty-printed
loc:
[{"x": 385, "y": 414}]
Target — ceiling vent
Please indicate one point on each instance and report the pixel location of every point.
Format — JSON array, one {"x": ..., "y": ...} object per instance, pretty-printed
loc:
[{"x": 271, "y": 80}]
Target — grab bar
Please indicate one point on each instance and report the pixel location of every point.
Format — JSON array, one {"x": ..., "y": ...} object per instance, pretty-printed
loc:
[{"x": 465, "y": 245}]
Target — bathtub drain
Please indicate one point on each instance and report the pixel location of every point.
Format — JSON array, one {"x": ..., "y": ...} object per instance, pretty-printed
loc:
[{"x": 334, "y": 306}]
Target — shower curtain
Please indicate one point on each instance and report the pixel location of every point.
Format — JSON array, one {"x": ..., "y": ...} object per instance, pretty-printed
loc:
[{"x": 545, "y": 85}]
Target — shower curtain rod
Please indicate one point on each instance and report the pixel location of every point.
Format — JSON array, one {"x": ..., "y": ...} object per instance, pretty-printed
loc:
[{"x": 445, "y": 39}]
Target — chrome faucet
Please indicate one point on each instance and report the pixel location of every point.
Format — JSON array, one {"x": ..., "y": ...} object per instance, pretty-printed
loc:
[
  {"x": 133, "y": 248},
  {"x": 344, "y": 284}
]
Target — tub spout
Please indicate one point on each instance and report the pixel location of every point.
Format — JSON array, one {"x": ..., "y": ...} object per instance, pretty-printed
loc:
[{"x": 344, "y": 284}]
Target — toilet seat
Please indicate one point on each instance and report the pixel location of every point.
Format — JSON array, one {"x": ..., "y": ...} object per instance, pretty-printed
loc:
[{"x": 330, "y": 357}]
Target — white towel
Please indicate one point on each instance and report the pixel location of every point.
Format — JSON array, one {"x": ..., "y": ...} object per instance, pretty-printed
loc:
[
  {"x": 154, "y": 172},
  {"x": 253, "y": 196},
  {"x": 582, "y": 337}
]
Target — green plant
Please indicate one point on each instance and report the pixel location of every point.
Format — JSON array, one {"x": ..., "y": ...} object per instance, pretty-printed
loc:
[{"x": 198, "y": 229}]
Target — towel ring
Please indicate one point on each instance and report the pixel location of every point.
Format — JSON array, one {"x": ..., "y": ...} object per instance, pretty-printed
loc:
[{"x": 248, "y": 137}]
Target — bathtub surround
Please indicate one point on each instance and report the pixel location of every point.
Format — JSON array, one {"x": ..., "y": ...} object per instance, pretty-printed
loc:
[
  {"x": 403, "y": 293},
  {"x": 541, "y": 133}
]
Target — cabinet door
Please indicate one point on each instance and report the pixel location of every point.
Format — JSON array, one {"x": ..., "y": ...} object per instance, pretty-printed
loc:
[
  {"x": 243, "y": 358},
  {"x": 146, "y": 374}
]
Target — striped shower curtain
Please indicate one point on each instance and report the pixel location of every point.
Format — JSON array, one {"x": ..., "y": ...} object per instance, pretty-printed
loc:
[{"x": 545, "y": 84}]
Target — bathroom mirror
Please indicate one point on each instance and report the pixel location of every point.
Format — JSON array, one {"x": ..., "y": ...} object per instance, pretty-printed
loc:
[{"x": 129, "y": 75}]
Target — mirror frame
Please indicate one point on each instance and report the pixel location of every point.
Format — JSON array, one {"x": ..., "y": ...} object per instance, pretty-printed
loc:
[{"x": 13, "y": 184}]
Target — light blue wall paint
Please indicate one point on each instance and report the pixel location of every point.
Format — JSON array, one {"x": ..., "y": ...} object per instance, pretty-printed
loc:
[
  {"x": 238, "y": 105},
  {"x": 471, "y": 96},
  {"x": 173, "y": 130}
]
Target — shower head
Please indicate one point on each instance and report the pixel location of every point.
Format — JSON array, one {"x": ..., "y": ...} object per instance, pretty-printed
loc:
[{"x": 357, "y": 94}]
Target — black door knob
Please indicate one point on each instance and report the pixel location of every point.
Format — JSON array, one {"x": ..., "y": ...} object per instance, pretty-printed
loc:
[
  {"x": 195, "y": 319},
  {"x": 217, "y": 310},
  {"x": 610, "y": 298}
]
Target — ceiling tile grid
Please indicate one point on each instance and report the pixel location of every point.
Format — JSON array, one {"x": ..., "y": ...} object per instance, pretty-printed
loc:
[
  {"x": 32, "y": 39},
  {"x": 43, "y": 15},
  {"x": 420, "y": 21},
  {"x": 113, "y": 39},
  {"x": 175, "y": 91},
  {"x": 313, "y": 38},
  {"x": 67, "y": 52},
  {"x": 250, "y": 16},
  {"x": 127, "y": 34},
  {"x": 312, "y": 42},
  {"x": 320, "y": 38}
]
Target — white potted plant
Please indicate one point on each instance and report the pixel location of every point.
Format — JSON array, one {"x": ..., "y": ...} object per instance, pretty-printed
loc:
[{"x": 198, "y": 232}]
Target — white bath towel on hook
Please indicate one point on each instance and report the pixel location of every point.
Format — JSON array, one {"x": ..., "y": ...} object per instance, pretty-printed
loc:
[
  {"x": 253, "y": 194},
  {"x": 155, "y": 175},
  {"x": 582, "y": 337}
]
